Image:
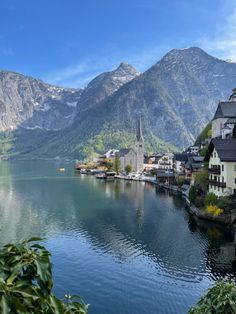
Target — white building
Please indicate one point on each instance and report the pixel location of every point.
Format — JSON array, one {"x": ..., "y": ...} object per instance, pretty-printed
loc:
[
  {"x": 166, "y": 162},
  {"x": 221, "y": 155},
  {"x": 225, "y": 118}
]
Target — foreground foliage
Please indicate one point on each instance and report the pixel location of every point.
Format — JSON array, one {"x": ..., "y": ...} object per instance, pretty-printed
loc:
[
  {"x": 26, "y": 282},
  {"x": 220, "y": 299}
]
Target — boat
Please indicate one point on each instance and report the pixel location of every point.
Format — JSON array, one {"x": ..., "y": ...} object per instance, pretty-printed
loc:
[
  {"x": 100, "y": 176},
  {"x": 62, "y": 169},
  {"x": 110, "y": 175}
]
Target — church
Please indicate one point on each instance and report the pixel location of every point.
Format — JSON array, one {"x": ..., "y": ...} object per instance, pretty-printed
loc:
[{"x": 134, "y": 157}]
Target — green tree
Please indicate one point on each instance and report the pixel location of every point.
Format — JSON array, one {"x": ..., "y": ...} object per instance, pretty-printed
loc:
[
  {"x": 221, "y": 298},
  {"x": 109, "y": 165},
  {"x": 117, "y": 164},
  {"x": 201, "y": 180},
  {"x": 192, "y": 194},
  {"x": 128, "y": 169},
  {"x": 26, "y": 282}
]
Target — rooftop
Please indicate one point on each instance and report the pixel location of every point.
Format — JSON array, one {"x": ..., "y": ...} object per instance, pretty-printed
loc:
[{"x": 226, "y": 149}]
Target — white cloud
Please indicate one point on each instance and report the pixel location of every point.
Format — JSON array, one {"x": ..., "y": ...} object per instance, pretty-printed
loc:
[
  {"x": 81, "y": 73},
  {"x": 223, "y": 44}
]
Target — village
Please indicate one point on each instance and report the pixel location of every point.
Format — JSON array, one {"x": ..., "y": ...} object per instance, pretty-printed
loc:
[{"x": 205, "y": 173}]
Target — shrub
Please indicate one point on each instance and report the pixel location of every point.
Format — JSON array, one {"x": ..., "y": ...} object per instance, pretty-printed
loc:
[
  {"x": 221, "y": 298},
  {"x": 201, "y": 180},
  {"x": 26, "y": 282},
  {"x": 227, "y": 202},
  {"x": 192, "y": 194},
  {"x": 214, "y": 210},
  {"x": 128, "y": 169},
  {"x": 211, "y": 199}
]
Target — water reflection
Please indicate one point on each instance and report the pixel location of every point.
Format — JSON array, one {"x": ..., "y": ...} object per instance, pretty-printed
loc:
[{"x": 129, "y": 223}]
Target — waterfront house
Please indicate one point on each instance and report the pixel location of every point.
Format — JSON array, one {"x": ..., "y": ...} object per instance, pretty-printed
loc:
[
  {"x": 221, "y": 155},
  {"x": 166, "y": 162},
  {"x": 151, "y": 162},
  {"x": 180, "y": 160},
  {"x": 224, "y": 119},
  {"x": 165, "y": 177},
  {"x": 194, "y": 164}
]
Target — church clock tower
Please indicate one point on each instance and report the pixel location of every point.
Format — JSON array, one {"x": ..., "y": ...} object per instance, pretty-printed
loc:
[{"x": 139, "y": 147}]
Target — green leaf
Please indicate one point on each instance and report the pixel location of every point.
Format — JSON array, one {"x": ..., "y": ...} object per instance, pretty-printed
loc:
[{"x": 5, "y": 305}]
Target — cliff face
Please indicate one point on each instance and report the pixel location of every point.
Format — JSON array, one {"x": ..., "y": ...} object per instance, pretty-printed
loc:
[
  {"x": 30, "y": 103},
  {"x": 176, "y": 98}
]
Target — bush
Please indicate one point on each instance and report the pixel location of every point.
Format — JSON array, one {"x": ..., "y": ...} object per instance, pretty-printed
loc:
[
  {"x": 214, "y": 210},
  {"x": 227, "y": 202},
  {"x": 26, "y": 282},
  {"x": 128, "y": 169},
  {"x": 192, "y": 194},
  {"x": 201, "y": 180},
  {"x": 221, "y": 298},
  {"x": 211, "y": 199}
]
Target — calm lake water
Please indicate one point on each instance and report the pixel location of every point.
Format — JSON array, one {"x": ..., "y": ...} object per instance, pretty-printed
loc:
[{"x": 125, "y": 247}]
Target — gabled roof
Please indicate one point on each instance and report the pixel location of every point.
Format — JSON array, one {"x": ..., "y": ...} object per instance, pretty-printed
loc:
[
  {"x": 231, "y": 121},
  {"x": 181, "y": 157},
  {"x": 124, "y": 151},
  {"x": 226, "y": 109},
  {"x": 226, "y": 149}
]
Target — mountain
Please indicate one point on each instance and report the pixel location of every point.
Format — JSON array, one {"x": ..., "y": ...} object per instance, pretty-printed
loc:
[
  {"x": 176, "y": 98},
  {"x": 30, "y": 103}
]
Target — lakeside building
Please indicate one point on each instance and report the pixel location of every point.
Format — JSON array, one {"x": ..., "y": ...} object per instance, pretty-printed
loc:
[
  {"x": 221, "y": 155},
  {"x": 193, "y": 165},
  {"x": 134, "y": 157},
  {"x": 224, "y": 119},
  {"x": 159, "y": 162}
]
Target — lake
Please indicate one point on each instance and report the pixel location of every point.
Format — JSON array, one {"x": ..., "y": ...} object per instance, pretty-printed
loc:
[{"x": 124, "y": 247}]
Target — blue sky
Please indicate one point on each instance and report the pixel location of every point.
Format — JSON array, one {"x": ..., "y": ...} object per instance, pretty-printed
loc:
[{"x": 68, "y": 42}]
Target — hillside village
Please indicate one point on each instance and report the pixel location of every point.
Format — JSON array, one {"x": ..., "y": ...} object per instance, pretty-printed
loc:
[{"x": 202, "y": 170}]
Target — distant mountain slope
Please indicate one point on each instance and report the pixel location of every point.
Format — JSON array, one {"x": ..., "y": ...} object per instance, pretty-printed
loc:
[
  {"x": 30, "y": 103},
  {"x": 176, "y": 98}
]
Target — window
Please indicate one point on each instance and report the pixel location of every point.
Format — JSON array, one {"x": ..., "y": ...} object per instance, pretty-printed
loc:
[
  {"x": 235, "y": 180},
  {"x": 222, "y": 167},
  {"x": 222, "y": 179},
  {"x": 234, "y": 167}
]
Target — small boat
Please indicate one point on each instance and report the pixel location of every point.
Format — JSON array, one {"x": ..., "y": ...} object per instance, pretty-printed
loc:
[
  {"x": 62, "y": 169},
  {"x": 100, "y": 176},
  {"x": 83, "y": 171},
  {"x": 110, "y": 175}
]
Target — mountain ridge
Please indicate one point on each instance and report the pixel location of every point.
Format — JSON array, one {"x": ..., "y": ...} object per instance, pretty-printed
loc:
[{"x": 176, "y": 98}]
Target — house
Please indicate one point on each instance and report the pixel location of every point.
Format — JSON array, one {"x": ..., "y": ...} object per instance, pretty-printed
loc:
[
  {"x": 194, "y": 164},
  {"x": 221, "y": 155},
  {"x": 225, "y": 118},
  {"x": 180, "y": 160},
  {"x": 165, "y": 177},
  {"x": 194, "y": 150},
  {"x": 166, "y": 162},
  {"x": 151, "y": 162}
]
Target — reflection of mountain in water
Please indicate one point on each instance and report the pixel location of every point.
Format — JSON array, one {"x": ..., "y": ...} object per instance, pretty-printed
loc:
[{"x": 124, "y": 219}]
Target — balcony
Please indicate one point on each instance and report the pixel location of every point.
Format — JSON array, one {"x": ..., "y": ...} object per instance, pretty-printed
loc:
[
  {"x": 214, "y": 170},
  {"x": 217, "y": 183}
]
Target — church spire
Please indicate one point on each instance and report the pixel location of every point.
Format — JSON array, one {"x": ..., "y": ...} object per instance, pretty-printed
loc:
[{"x": 139, "y": 134}]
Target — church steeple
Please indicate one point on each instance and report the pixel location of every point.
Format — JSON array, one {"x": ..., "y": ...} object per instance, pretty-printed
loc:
[
  {"x": 139, "y": 147},
  {"x": 139, "y": 133}
]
